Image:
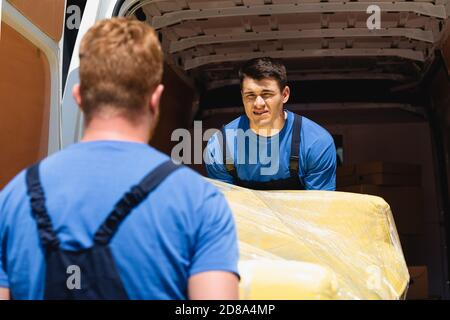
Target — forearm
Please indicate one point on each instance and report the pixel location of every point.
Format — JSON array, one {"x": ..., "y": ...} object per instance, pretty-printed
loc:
[
  {"x": 214, "y": 285},
  {"x": 4, "y": 294}
]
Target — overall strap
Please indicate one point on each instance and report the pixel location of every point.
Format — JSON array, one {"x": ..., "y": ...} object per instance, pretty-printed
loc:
[
  {"x": 131, "y": 200},
  {"x": 47, "y": 235},
  {"x": 295, "y": 145}
]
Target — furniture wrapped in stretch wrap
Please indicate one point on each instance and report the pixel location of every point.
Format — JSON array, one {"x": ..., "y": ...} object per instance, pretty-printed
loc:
[{"x": 316, "y": 245}]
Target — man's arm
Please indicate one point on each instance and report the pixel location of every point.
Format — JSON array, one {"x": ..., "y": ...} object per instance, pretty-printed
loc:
[
  {"x": 213, "y": 273},
  {"x": 4, "y": 294},
  {"x": 321, "y": 165},
  {"x": 214, "y": 160},
  {"x": 214, "y": 285}
]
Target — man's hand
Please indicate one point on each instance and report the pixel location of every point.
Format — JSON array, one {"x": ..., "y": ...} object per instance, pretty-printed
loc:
[
  {"x": 213, "y": 285},
  {"x": 4, "y": 294}
]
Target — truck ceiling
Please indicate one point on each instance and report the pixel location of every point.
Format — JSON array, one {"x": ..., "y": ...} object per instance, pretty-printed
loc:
[{"x": 317, "y": 39}]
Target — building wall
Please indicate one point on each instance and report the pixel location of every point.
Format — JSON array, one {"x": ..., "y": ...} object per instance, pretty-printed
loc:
[
  {"x": 25, "y": 87},
  {"x": 24, "y": 103},
  {"x": 47, "y": 15}
]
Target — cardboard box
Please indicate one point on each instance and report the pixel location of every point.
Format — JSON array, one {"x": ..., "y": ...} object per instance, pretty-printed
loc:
[
  {"x": 345, "y": 181},
  {"x": 418, "y": 284},
  {"x": 387, "y": 167},
  {"x": 389, "y": 174},
  {"x": 406, "y": 204},
  {"x": 387, "y": 179},
  {"x": 345, "y": 171},
  {"x": 346, "y": 176},
  {"x": 379, "y": 173}
]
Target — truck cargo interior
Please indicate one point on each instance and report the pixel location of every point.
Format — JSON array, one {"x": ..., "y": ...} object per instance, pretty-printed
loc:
[{"x": 383, "y": 96}]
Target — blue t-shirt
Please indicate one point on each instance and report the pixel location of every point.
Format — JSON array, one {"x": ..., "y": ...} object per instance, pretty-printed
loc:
[
  {"x": 256, "y": 158},
  {"x": 184, "y": 227}
]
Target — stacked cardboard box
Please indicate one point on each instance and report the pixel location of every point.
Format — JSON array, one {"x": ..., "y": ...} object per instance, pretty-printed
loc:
[
  {"x": 399, "y": 185},
  {"x": 405, "y": 202},
  {"x": 379, "y": 174},
  {"x": 389, "y": 174},
  {"x": 346, "y": 176}
]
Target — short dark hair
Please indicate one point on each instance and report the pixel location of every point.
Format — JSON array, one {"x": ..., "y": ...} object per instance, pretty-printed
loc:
[{"x": 261, "y": 68}]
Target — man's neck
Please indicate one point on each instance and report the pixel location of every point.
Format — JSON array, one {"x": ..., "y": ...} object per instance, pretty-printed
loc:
[{"x": 116, "y": 128}]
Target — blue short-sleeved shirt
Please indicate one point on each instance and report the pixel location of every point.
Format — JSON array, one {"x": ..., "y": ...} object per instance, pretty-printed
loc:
[
  {"x": 317, "y": 164},
  {"x": 184, "y": 227}
]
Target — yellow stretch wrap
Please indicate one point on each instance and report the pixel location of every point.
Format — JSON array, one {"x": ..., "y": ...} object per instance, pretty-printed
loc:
[{"x": 316, "y": 245}]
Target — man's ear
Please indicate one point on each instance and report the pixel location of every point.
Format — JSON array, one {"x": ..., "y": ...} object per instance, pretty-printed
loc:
[
  {"x": 155, "y": 99},
  {"x": 76, "y": 94},
  {"x": 286, "y": 93}
]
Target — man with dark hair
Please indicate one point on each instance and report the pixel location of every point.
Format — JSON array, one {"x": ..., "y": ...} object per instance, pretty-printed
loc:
[
  {"x": 270, "y": 148},
  {"x": 111, "y": 217}
]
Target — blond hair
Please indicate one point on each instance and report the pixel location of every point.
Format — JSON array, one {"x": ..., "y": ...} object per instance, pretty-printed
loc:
[{"x": 121, "y": 63}]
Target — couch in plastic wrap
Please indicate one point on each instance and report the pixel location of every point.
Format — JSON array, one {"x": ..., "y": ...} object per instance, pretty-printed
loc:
[{"x": 316, "y": 245}]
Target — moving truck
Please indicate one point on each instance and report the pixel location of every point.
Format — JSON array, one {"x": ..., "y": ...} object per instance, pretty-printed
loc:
[{"x": 374, "y": 73}]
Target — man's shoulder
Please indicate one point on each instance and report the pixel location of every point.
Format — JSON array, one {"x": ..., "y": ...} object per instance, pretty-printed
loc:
[
  {"x": 148, "y": 160},
  {"x": 234, "y": 124},
  {"x": 14, "y": 188},
  {"x": 314, "y": 133},
  {"x": 194, "y": 184}
]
